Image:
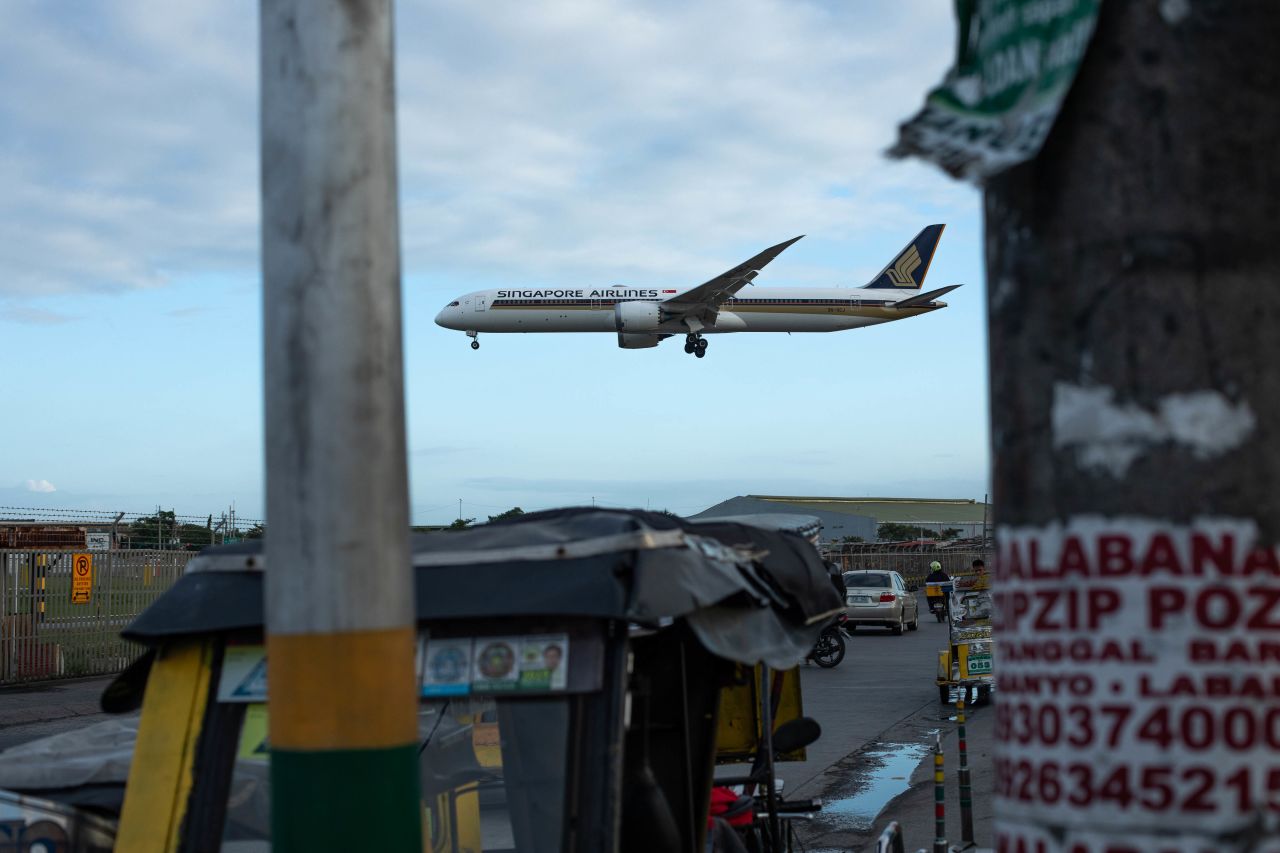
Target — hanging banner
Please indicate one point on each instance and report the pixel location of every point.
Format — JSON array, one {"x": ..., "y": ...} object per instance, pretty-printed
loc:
[
  {"x": 1015, "y": 62},
  {"x": 1139, "y": 685}
]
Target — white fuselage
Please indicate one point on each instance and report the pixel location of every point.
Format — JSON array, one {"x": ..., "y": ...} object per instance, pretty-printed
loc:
[{"x": 754, "y": 309}]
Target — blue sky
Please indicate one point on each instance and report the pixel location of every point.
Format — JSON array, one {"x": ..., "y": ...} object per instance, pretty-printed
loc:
[{"x": 574, "y": 143}]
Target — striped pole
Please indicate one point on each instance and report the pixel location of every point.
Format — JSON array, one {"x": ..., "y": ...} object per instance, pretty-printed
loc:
[
  {"x": 339, "y": 590},
  {"x": 966, "y": 791},
  {"x": 939, "y": 800}
]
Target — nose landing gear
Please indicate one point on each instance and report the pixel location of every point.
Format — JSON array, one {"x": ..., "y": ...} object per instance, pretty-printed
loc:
[
  {"x": 695, "y": 345},
  {"x": 475, "y": 339}
]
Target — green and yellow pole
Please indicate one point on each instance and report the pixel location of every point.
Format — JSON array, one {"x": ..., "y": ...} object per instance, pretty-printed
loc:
[
  {"x": 339, "y": 589},
  {"x": 939, "y": 800},
  {"x": 966, "y": 787}
]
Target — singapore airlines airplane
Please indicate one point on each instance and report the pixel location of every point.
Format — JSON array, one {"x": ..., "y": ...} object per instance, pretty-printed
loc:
[{"x": 642, "y": 317}]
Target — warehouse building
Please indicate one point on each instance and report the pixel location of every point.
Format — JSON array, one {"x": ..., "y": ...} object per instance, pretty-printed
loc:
[{"x": 860, "y": 517}]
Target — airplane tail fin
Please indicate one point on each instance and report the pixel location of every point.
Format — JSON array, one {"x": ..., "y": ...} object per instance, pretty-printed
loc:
[{"x": 908, "y": 269}]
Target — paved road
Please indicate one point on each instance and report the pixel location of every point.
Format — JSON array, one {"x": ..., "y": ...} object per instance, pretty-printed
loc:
[
  {"x": 33, "y": 711},
  {"x": 883, "y": 681}
]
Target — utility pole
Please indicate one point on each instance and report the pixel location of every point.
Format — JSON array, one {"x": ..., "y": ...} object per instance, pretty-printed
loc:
[
  {"x": 339, "y": 588},
  {"x": 1134, "y": 293}
]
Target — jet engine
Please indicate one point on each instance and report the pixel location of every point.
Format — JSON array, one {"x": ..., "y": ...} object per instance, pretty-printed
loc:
[
  {"x": 630, "y": 341},
  {"x": 637, "y": 316}
]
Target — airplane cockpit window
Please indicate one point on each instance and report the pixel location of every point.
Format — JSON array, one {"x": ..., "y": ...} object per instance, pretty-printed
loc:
[{"x": 454, "y": 304}]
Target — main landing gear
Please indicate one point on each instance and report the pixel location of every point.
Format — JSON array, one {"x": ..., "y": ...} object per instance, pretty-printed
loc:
[
  {"x": 475, "y": 339},
  {"x": 695, "y": 345}
]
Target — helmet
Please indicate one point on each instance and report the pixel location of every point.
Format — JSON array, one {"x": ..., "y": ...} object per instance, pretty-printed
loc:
[{"x": 935, "y": 566}]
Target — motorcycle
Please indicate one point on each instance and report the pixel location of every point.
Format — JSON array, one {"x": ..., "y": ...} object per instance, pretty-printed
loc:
[
  {"x": 937, "y": 593},
  {"x": 829, "y": 650}
]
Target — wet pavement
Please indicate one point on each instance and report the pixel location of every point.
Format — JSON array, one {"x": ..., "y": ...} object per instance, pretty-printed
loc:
[{"x": 876, "y": 775}]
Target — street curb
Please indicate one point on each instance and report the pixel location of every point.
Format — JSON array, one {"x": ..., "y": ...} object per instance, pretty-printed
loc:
[{"x": 26, "y": 716}]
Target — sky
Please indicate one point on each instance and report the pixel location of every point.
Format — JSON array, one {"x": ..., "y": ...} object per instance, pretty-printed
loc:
[{"x": 558, "y": 143}]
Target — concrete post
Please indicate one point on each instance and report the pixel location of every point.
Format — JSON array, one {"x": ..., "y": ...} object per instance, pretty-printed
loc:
[
  {"x": 339, "y": 591},
  {"x": 1135, "y": 407}
]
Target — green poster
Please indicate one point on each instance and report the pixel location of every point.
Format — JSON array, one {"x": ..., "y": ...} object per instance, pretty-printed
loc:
[{"x": 1015, "y": 61}]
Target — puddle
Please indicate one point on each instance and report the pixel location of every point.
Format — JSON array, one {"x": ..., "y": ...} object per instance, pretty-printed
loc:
[{"x": 885, "y": 772}]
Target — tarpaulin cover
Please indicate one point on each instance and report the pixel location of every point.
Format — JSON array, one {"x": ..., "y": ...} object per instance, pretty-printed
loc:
[{"x": 749, "y": 593}]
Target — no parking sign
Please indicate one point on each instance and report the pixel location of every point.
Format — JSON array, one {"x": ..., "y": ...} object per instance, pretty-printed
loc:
[{"x": 81, "y": 578}]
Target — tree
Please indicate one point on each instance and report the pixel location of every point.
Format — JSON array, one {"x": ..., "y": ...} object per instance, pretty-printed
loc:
[
  {"x": 892, "y": 531},
  {"x": 153, "y": 531},
  {"x": 511, "y": 513},
  {"x": 852, "y": 539},
  {"x": 950, "y": 533},
  {"x": 255, "y": 532},
  {"x": 460, "y": 524}
]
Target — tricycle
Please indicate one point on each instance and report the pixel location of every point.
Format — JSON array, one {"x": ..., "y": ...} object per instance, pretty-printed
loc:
[
  {"x": 581, "y": 673},
  {"x": 966, "y": 662}
]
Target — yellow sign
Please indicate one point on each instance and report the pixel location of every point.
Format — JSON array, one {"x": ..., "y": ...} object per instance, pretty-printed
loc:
[
  {"x": 81, "y": 578},
  {"x": 253, "y": 734}
]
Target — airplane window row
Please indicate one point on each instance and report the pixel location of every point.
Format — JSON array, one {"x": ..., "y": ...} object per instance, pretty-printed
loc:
[
  {"x": 552, "y": 303},
  {"x": 795, "y": 302},
  {"x": 609, "y": 302}
]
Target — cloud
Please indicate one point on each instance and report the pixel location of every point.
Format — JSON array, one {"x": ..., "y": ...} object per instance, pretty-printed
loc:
[
  {"x": 130, "y": 145},
  {"x": 191, "y": 311},
  {"x": 31, "y": 315},
  {"x": 554, "y": 141},
  {"x": 41, "y": 486}
]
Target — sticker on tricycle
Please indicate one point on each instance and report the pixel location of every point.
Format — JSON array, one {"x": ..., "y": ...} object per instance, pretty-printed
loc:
[{"x": 459, "y": 666}]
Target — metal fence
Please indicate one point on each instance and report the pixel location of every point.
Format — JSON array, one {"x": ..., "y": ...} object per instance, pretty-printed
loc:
[
  {"x": 912, "y": 562},
  {"x": 36, "y": 528},
  {"x": 61, "y": 611}
]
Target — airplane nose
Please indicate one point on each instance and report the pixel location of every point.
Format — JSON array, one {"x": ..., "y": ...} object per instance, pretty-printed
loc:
[{"x": 445, "y": 318}]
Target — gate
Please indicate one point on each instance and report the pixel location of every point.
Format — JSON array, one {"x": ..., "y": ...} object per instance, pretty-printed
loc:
[{"x": 61, "y": 611}]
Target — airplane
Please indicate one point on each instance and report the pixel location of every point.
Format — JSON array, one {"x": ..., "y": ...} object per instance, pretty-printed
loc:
[{"x": 643, "y": 317}]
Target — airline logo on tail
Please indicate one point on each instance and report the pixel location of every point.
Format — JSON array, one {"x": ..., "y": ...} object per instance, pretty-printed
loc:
[
  {"x": 900, "y": 273},
  {"x": 911, "y": 265}
]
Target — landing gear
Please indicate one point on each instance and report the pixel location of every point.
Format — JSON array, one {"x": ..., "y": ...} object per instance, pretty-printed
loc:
[
  {"x": 475, "y": 339},
  {"x": 695, "y": 345},
  {"x": 475, "y": 345}
]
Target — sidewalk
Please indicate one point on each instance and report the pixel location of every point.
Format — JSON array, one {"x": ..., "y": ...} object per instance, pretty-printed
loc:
[
  {"x": 45, "y": 701},
  {"x": 914, "y": 809}
]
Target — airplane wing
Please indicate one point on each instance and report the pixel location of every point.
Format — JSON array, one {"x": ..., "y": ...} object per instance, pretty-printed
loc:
[
  {"x": 701, "y": 303},
  {"x": 925, "y": 298}
]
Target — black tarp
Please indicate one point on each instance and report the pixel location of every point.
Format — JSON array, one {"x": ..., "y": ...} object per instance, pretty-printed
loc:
[{"x": 750, "y": 594}]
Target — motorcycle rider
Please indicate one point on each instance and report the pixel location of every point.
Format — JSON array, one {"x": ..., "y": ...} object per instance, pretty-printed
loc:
[{"x": 937, "y": 575}]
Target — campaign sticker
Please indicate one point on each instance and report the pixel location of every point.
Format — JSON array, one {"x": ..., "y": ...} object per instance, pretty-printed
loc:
[
  {"x": 244, "y": 674},
  {"x": 446, "y": 669},
  {"x": 496, "y": 665},
  {"x": 544, "y": 662}
]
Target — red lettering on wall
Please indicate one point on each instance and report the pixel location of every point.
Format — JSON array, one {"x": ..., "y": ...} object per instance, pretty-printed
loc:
[
  {"x": 1115, "y": 555},
  {"x": 1161, "y": 556}
]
